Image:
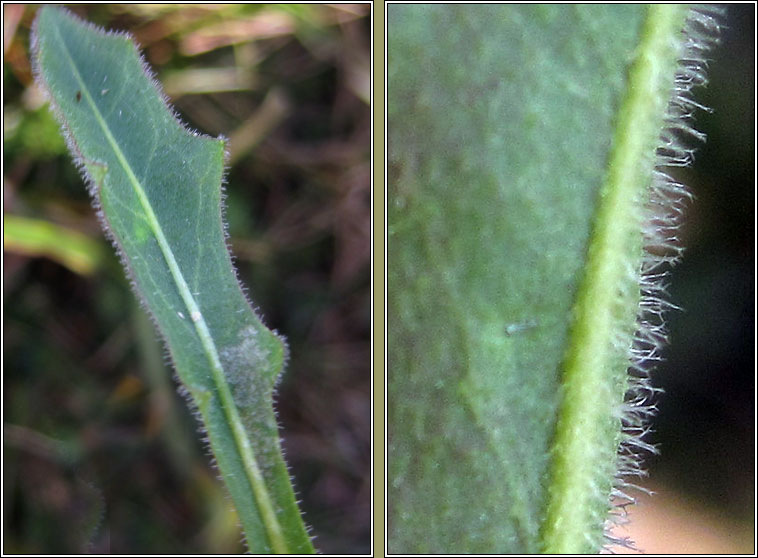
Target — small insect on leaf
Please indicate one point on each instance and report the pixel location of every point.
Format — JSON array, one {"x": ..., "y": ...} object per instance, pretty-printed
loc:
[
  {"x": 78, "y": 96},
  {"x": 518, "y": 327}
]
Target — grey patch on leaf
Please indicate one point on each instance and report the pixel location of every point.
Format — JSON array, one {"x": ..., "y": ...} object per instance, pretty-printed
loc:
[{"x": 243, "y": 366}]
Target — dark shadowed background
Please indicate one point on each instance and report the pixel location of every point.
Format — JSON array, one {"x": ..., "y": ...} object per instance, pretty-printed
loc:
[{"x": 100, "y": 453}]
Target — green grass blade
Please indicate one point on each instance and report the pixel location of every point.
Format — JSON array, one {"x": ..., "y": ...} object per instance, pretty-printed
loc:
[
  {"x": 158, "y": 188},
  {"x": 36, "y": 237}
]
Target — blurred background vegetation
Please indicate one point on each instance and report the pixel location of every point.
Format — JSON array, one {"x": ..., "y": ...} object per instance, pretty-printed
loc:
[{"x": 100, "y": 453}]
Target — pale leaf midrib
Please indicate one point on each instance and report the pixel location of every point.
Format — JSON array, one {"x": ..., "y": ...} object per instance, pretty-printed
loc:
[
  {"x": 271, "y": 522},
  {"x": 585, "y": 399}
]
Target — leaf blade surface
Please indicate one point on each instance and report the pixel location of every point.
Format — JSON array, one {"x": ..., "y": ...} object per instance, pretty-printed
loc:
[
  {"x": 501, "y": 125},
  {"x": 158, "y": 187}
]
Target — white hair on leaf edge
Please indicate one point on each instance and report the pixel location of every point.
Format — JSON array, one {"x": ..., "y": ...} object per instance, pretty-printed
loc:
[{"x": 662, "y": 215}]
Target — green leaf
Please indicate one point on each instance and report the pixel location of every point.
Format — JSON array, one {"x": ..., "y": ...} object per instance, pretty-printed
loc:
[
  {"x": 522, "y": 147},
  {"x": 158, "y": 188},
  {"x": 35, "y": 237}
]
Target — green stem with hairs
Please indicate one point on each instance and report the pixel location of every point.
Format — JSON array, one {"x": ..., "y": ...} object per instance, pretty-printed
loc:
[{"x": 589, "y": 396}]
